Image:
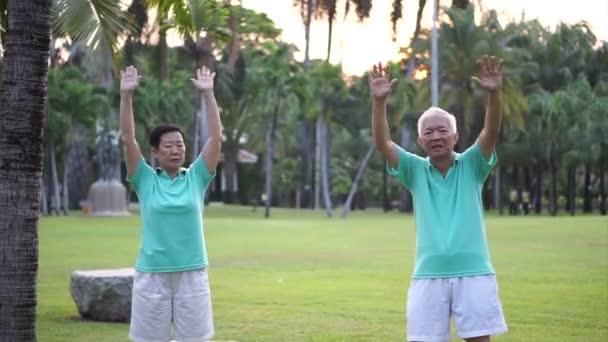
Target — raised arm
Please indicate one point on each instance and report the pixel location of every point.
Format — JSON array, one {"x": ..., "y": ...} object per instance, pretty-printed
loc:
[
  {"x": 213, "y": 145},
  {"x": 381, "y": 86},
  {"x": 490, "y": 79},
  {"x": 129, "y": 80}
]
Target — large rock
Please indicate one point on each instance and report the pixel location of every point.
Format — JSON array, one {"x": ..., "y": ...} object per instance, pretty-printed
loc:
[{"x": 103, "y": 295}]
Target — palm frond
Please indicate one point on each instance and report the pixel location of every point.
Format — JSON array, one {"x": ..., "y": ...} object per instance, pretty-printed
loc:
[{"x": 97, "y": 23}]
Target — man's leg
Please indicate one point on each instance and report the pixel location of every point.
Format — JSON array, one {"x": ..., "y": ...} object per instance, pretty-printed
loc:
[{"x": 476, "y": 308}]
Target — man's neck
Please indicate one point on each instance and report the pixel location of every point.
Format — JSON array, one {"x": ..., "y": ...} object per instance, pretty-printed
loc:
[{"x": 442, "y": 164}]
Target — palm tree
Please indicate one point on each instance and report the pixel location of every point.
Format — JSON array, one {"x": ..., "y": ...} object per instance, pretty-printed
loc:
[
  {"x": 283, "y": 84},
  {"x": 68, "y": 93},
  {"x": 26, "y": 55}
]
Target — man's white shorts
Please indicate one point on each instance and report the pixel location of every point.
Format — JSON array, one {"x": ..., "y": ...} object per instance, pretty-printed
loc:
[
  {"x": 473, "y": 302},
  {"x": 183, "y": 298}
]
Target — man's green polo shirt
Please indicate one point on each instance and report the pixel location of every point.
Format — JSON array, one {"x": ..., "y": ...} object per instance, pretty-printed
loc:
[{"x": 448, "y": 212}]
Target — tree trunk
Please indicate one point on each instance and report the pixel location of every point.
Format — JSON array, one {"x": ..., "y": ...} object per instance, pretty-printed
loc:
[
  {"x": 498, "y": 190},
  {"x": 25, "y": 63},
  {"x": 56, "y": 201},
  {"x": 355, "y": 186},
  {"x": 603, "y": 204},
  {"x": 587, "y": 197},
  {"x": 230, "y": 173},
  {"x": 317, "y": 162},
  {"x": 385, "y": 202},
  {"x": 78, "y": 167},
  {"x": 307, "y": 177},
  {"x": 305, "y": 142},
  {"x": 329, "y": 36},
  {"x": 65, "y": 198},
  {"x": 163, "y": 69},
  {"x": 44, "y": 200},
  {"x": 553, "y": 206},
  {"x": 309, "y": 7},
  {"x": 325, "y": 167},
  {"x": 405, "y": 202},
  {"x": 538, "y": 200},
  {"x": 572, "y": 189},
  {"x": 269, "y": 155}
]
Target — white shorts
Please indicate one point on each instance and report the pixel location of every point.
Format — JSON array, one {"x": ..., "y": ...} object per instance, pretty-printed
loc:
[
  {"x": 473, "y": 302},
  {"x": 183, "y": 298}
]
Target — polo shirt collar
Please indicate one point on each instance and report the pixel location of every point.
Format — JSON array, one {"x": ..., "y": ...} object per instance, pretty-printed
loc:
[
  {"x": 159, "y": 171},
  {"x": 455, "y": 160}
]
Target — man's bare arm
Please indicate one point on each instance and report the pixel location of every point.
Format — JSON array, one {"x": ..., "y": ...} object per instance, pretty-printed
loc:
[
  {"x": 381, "y": 86},
  {"x": 490, "y": 79},
  {"x": 381, "y": 133}
]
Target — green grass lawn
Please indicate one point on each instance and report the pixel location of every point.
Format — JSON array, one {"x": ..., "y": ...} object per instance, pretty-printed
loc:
[{"x": 302, "y": 277}]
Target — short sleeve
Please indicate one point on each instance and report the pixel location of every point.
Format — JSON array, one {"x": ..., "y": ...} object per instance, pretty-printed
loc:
[
  {"x": 199, "y": 172},
  {"x": 143, "y": 177},
  {"x": 480, "y": 164},
  {"x": 405, "y": 168}
]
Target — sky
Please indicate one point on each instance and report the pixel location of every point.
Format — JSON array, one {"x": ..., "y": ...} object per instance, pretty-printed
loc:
[{"x": 359, "y": 45}]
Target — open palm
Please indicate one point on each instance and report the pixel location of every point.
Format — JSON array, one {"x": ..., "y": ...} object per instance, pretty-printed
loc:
[
  {"x": 129, "y": 79},
  {"x": 204, "y": 79},
  {"x": 490, "y": 73},
  {"x": 380, "y": 83}
]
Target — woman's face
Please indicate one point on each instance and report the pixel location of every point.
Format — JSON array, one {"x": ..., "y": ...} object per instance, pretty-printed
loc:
[{"x": 171, "y": 151}]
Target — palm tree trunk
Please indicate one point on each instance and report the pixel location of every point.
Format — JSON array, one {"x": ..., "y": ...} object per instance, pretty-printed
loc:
[
  {"x": 163, "y": 69},
  {"x": 305, "y": 132},
  {"x": 44, "y": 199},
  {"x": 307, "y": 177},
  {"x": 325, "y": 166},
  {"x": 498, "y": 189},
  {"x": 603, "y": 207},
  {"x": 56, "y": 202},
  {"x": 553, "y": 208},
  {"x": 355, "y": 186},
  {"x": 385, "y": 201},
  {"x": 309, "y": 8},
  {"x": 587, "y": 197},
  {"x": 538, "y": 203},
  {"x": 269, "y": 155},
  {"x": 405, "y": 203},
  {"x": 230, "y": 173},
  {"x": 329, "y": 36},
  {"x": 78, "y": 166},
  {"x": 317, "y": 162},
  {"x": 65, "y": 198},
  {"x": 572, "y": 190},
  {"x": 23, "y": 101}
]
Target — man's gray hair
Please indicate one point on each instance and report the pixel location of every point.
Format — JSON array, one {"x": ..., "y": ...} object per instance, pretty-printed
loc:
[{"x": 436, "y": 111}]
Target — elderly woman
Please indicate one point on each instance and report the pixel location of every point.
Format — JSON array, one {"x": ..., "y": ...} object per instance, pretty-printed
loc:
[{"x": 170, "y": 283}]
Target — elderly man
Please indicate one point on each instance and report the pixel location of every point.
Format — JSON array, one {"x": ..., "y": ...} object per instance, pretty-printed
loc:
[{"x": 453, "y": 275}]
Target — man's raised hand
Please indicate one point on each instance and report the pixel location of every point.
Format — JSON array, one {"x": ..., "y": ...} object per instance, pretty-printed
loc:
[
  {"x": 490, "y": 73},
  {"x": 204, "y": 79},
  {"x": 129, "y": 79},
  {"x": 380, "y": 83}
]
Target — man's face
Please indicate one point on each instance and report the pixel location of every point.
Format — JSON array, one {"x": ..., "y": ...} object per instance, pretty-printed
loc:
[
  {"x": 171, "y": 151},
  {"x": 437, "y": 137}
]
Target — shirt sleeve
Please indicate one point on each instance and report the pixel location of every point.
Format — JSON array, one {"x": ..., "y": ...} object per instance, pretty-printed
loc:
[
  {"x": 405, "y": 168},
  {"x": 480, "y": 164},
  {"x": 143, "y": 176},
  {"x": 199, "y": 172}
]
